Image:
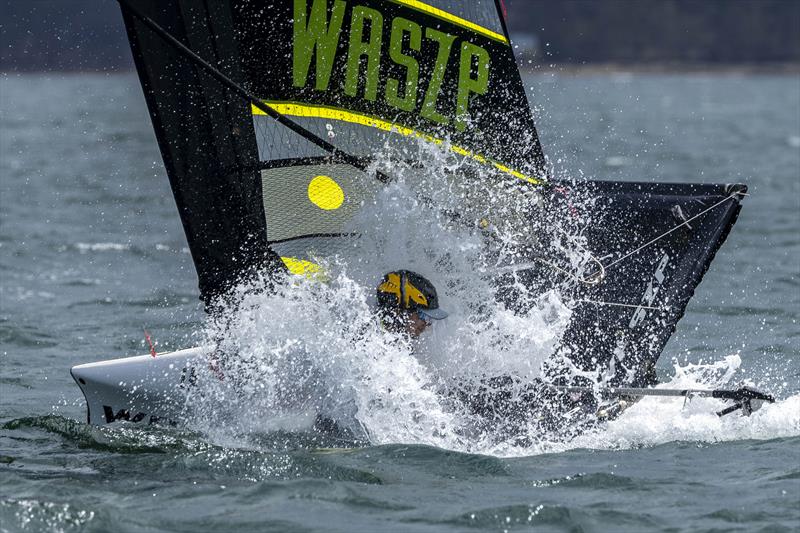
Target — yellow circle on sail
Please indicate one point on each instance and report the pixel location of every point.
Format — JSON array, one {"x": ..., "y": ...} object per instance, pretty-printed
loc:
[{"x": 325, "y": 193}]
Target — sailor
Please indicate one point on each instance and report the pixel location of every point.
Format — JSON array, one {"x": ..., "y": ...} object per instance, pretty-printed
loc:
[{"x": 408, "y": 303}]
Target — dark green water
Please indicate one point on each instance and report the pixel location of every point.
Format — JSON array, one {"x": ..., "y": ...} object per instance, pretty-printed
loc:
[{"x": 91, "y": 251}]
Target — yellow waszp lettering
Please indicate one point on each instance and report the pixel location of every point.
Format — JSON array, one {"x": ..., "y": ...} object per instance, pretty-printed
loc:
[
  {"x": 466, "y": 83},
  {"x": 358, "y": 48},
  {"x": 400, "y": 27},
  {"x": 315, "y": 32},
  {"x": 435, "y": 84},
  {"x": 317, "y": 29}
]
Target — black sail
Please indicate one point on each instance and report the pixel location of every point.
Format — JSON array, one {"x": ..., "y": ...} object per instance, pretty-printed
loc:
[
  {"x": 441, "y": 70},
  {"x": 256, "y": 195},
  {"x": 206, "y": 138},
  {"x": 656, "y": 240}
]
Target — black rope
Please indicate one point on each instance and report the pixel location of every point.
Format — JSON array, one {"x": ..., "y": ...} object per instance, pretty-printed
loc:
[{"x": 338, "y": 155}]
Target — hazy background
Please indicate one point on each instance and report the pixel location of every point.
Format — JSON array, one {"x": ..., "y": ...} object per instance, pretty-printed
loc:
[
  {"x": 72, "y": 35},
  {"x": 92, "y": 251}
]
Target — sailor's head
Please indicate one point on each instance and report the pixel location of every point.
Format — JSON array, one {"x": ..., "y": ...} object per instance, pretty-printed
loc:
[{"x": 408, "y": 302}]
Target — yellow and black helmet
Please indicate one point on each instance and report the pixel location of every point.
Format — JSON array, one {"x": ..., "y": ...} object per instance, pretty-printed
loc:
[{"x": 408, "y": 290}]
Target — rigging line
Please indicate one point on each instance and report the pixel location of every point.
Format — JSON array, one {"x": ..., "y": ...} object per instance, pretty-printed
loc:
[
  {"x": 251, "y": 98},
  {"x": 597, "y": 276},
  {"x": 594, "y": 279},
  {"x": 619, "y": 304},
  {"x": 658, "y": 238}
]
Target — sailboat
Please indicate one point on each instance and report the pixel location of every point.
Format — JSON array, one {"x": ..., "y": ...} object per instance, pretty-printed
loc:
[{"x": 244, "y": 97}]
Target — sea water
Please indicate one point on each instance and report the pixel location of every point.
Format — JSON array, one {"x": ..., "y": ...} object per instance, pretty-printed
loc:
[{"x": 92, "y": 253}]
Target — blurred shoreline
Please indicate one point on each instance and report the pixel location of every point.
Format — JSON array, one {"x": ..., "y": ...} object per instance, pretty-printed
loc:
[{"x": 788, "y": 68}]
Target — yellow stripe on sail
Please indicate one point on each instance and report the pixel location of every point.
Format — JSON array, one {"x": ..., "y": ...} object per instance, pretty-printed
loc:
[
  {"x": 312, "y": 111},
  {"x": 332, "y": 113},
  {"x": 301, "y": 267},
  {"x": 444, "y": 15}
]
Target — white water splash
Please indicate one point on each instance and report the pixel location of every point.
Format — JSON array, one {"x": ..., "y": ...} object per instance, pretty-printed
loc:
[
  {"x": 84, "y": 247},
  {"x": 658, "y": 420},
  {"x": 314, "y": 347}
]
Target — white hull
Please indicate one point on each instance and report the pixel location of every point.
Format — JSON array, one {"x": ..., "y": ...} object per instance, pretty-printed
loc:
[
  {"x": 141, "y": 389},
  {"x": 153, "y": 390}
]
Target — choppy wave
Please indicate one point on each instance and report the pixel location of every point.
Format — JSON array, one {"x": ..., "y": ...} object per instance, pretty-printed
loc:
[
  {"x": 41, "y": 515},
  {"x": 102, "y": 247},
  {"x": 118, "y": 439}
]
